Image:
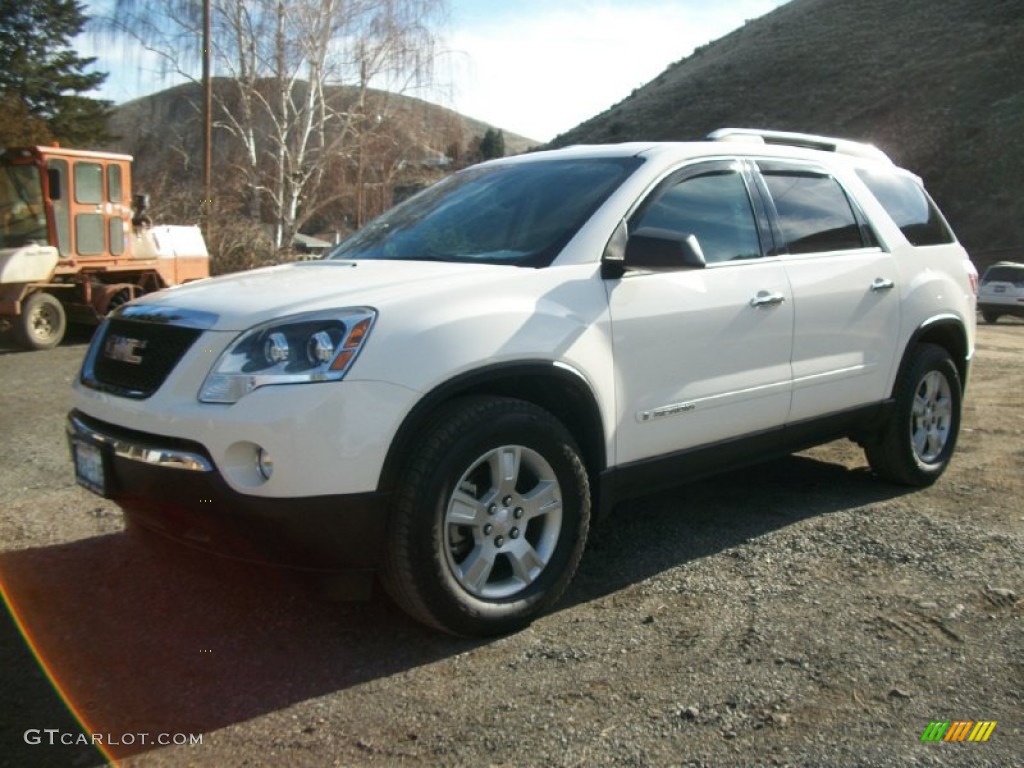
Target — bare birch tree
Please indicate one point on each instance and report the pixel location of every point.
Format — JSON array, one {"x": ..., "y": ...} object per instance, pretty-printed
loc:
[{"x": 301, "y": 85}]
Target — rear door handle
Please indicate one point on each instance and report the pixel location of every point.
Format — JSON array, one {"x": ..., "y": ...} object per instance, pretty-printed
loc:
[
  {"x": 881, "y": 284},
  {"x": 766, "y": 299}
]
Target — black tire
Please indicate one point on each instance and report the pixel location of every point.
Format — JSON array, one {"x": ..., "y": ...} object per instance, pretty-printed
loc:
[
  {"x": 470, "y": 553},
  {"x": 119, "y": 299},
  {"x": 42, "y": 322},
  {"x": 990, "y": 317},
  {"x": 915, "y": 447}
]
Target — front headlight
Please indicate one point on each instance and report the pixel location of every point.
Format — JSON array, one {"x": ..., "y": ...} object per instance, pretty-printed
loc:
[{"x": 310, "y": 347}]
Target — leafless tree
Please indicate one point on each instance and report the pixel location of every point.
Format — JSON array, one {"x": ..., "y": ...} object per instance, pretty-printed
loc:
[{"x": 302, "y": 85}]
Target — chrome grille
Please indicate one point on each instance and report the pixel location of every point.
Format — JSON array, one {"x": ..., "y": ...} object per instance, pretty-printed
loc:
[{"x": 132, "y": 358}]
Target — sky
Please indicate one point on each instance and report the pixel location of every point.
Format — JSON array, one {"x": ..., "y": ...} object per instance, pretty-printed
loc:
[{"x": 532, "y": 67}]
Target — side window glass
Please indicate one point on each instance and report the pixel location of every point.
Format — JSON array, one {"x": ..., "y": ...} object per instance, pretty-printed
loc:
[
  {"x": 114, "y": 183},
  {"x": 57, "y": 173},
  {"x": 713, "y": 206},
  {"x": 88, "y": 183},
  {"x": 115, "y": 235},
  {"x": 909, "y": 207},
  {"x": 814, "y": 212},
  {"x": 89, "y": 234}
]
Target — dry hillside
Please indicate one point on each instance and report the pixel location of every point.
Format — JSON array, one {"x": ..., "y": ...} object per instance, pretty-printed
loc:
[
  {"x": 166, "y": 124},
  {"x": 410, "y": 143},
  {"x": 939, "y": 84}
]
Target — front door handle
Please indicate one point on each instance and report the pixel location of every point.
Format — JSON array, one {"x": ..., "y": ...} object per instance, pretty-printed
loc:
[
  {"x": 766, "y": 299},
  {"x": 881, "y": 284}
]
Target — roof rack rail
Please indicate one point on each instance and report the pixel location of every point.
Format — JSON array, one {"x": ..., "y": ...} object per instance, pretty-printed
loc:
[{"x": 806, "y": 140}]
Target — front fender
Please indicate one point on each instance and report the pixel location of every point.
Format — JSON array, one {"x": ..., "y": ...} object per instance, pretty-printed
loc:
[
  {"x": 561, "y": 390},
  {"x": 540, "y": 335}
]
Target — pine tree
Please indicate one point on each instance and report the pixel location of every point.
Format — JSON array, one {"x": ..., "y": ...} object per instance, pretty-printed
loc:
[
  {"x": 492, "y": 145},
  {"x": 42, "y": 79}
]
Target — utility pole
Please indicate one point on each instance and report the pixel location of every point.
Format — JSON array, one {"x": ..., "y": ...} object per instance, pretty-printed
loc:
[{"x": 207, "y": 206}]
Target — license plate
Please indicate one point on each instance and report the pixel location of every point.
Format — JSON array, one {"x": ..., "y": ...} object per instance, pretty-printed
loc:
[
  {"x": 89, "y": 470},
  {"x": 999, "y": 289}
]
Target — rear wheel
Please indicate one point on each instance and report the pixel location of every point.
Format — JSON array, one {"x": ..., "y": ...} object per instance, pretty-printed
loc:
[
  {"x": 491, "y": 518},
  {"x": 915, "y": 447},
  {"x": 119, "y": 299},
  {"x": 42, "y": 322}
]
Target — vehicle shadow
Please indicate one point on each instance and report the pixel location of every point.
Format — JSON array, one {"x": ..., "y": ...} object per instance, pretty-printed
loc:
[
  {"x": 144, "y": 636},
  {"x": 77, "y": 335},
  {"x": 650, "y": 535}
]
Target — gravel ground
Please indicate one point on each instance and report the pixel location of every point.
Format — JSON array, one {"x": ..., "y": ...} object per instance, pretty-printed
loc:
[{"x": 800, "y": 613}]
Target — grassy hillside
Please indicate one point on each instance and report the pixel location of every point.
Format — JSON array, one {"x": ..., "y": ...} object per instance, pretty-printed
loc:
[{"x": 938, "y": 84}]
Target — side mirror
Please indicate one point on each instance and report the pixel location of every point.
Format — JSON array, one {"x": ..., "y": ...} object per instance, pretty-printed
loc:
[
  {"x": 140, "y": 215},
  {"x": 53, "y": 182},
  {"x": 662, "y": 250}
]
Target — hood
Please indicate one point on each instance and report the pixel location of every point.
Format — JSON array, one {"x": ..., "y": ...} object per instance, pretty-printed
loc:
[{"x": 242, "y": 300}]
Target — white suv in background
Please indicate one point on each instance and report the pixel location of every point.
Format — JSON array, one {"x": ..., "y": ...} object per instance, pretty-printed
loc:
[
  {"x": 1002, "y": 291},
  {"x": 450, "y": 394}
]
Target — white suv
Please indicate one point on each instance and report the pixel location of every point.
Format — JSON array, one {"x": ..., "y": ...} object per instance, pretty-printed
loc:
[
  {"x": 1002, "y": 291},
  {"x": 448, "y": 396}
]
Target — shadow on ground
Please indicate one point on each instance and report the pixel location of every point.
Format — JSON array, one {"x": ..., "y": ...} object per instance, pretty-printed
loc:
[
  {"x": 649, "y": 535},
  {"x": 145, "y": 636},
  {"x": 77, "y": 335}
]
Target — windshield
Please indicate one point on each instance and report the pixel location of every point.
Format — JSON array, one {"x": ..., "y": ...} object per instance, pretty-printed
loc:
[
  {"x": 22, "y": 214},
  {"x": 520, "y": 214}
]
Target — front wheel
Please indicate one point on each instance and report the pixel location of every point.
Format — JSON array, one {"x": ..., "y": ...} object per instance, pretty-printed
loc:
[
  {"x": 42, "y": 322},
  {"x": 989, "y": 316},
  {"x": 915, "y": 447},
  {"x": 490, "y": 520}
]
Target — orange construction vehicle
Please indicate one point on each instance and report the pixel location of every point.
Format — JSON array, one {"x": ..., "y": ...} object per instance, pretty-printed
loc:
[{"x": 74, "y": 244}]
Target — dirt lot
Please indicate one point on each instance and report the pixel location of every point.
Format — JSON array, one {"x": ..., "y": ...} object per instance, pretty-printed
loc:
[{"x": 801, "y": 613}]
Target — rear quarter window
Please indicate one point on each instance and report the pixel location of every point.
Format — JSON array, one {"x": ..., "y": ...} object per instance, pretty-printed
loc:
[{"x": 909, "y": 207}]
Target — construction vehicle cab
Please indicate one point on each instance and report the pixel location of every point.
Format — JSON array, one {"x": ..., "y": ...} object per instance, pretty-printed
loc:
[{"x": 72, "y": 246}]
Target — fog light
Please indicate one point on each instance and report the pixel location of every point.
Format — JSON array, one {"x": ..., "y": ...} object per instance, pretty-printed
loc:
[{"x": 264, "y": 463}]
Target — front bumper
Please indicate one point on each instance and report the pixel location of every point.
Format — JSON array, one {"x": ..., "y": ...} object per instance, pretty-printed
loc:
[{"x": 173, "y": 486}]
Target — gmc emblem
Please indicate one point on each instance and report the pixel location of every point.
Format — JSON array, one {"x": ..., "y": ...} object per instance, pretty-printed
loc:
[{"x": 123, "y": 349}]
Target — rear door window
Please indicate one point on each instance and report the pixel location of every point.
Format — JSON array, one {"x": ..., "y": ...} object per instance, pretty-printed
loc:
[{"x": 814, "y": 213}]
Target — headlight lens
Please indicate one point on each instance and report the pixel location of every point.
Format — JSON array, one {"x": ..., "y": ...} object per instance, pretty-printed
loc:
[{"x": 310, "y": 347}]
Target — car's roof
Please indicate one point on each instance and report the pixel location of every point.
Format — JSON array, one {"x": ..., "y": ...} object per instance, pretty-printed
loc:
[{"x": 680, "y": 151}]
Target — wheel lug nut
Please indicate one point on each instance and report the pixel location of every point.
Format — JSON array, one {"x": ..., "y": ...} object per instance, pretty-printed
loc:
[
  {"x": 499, "y": 541},
  {"x": 514, "y": 533},
  {"x": 507, "y": 501},
  {"x": 487, "y": 529},
  {"x": 518, "y": 513},
  {"x": 492, "y": 509}
]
